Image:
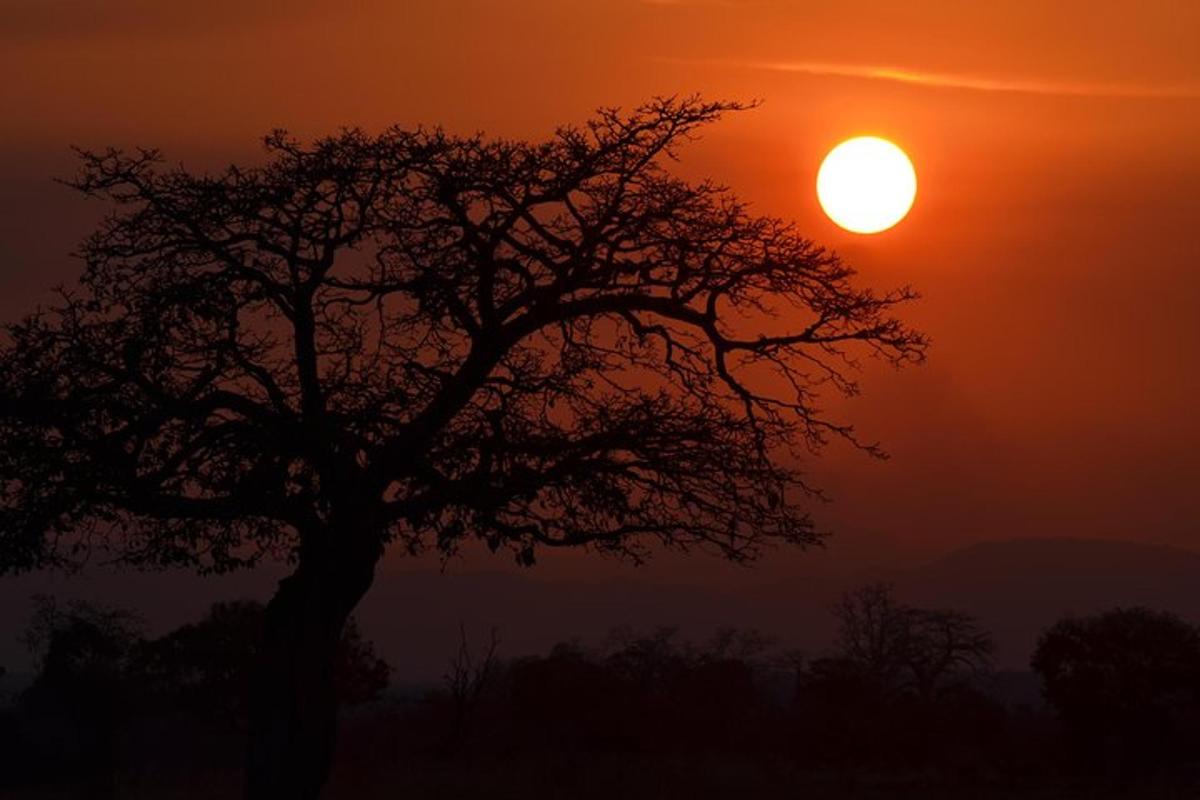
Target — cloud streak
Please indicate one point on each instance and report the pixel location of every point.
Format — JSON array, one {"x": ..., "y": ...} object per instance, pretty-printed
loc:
[
  {"x": 977, "y": 83},
  {"x": 716, "y": 3}
]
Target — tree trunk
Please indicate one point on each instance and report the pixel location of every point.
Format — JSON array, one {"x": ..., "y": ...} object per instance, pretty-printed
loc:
[{"x": 293, "y": 703}]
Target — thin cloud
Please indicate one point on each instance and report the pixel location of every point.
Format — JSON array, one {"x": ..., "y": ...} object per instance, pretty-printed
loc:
[
  {"x": 978, "y": 83},
  {"x": 710, "y": 3}
]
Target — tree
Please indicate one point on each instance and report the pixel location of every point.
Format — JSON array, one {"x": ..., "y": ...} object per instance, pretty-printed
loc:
[
  {"x": 81, "y": 652},
  {"x": 945, "y": 649},
  {"x": 204, "y": 666},
  {"x": 413, "y": 339},
  {"x": 871, "y": 632},
  {"x": 79, "y": 641},
  {"x": 899, "y": 687},
  {"x": 1126, "y": 683},
  {"x": 918, "y": 650},
  {"x": 468, "y": 676}
]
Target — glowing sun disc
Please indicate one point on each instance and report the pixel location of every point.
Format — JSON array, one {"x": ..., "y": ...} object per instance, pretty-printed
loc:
[{"x": 866, "y": 184}]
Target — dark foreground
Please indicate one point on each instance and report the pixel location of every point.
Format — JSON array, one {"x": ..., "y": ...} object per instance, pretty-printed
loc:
[
  {"x": 425, "y": 747},
  {"x": 605, "y": 777}
]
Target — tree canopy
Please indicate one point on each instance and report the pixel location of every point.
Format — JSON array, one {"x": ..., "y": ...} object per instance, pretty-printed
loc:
[
  {"x": 417, "y": 337},
  {"x": 1126, "y": 683}
]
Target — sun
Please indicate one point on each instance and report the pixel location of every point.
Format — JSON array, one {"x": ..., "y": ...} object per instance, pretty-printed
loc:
[{"x": 866, "y": 184}]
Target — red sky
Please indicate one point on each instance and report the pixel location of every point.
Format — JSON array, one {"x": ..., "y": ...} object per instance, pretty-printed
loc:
[{"x": 1057, "y": 147}]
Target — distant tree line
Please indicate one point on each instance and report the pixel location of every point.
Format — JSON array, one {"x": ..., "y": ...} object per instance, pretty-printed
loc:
[{"x": 903, "y": 691}]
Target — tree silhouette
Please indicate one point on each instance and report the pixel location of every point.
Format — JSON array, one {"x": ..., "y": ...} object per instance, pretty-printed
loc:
[
  {"x": 412, "y": 339},
  {"x": 82, "y": 653},
  {"x": 900, "y": 687},
  {"x": 1126, "y": 684},
  {"x": 204, "y": 666},
  {"x": 919, "y": 650},
  {"x": 469, "y": 675}
]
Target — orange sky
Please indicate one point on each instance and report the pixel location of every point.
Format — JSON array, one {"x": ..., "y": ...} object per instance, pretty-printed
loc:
[{"x": 1057, "y": 147}]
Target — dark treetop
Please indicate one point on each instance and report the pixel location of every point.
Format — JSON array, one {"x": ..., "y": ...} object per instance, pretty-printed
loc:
[{"x": 418, "y": 337}]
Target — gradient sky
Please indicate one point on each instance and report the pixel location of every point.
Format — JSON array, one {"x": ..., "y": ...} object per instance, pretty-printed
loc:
[{"x": 1054, "y": 235}]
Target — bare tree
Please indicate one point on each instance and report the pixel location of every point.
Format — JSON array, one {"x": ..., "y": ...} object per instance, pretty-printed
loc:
[
  {"x": 944, "y": 647},
  {"x": 918, "y": 650},
  {"x": 468, "y": 677},
  {"x": 872, "y": 631},
  {"x": 412, "y": 339}
]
